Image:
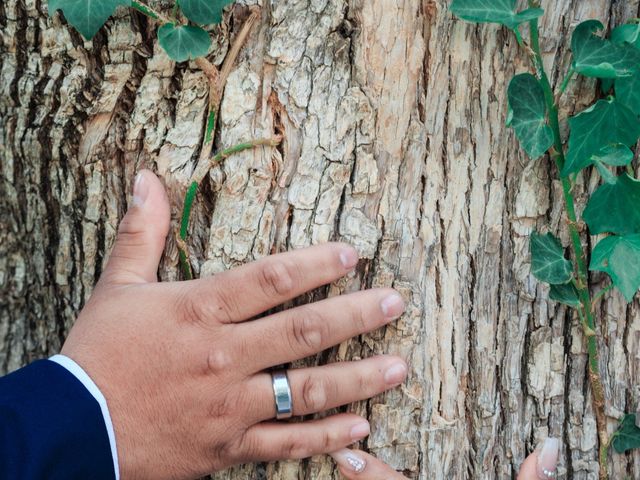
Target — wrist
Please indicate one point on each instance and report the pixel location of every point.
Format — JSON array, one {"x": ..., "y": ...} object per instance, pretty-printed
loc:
[{"x": 77, "y": 371}]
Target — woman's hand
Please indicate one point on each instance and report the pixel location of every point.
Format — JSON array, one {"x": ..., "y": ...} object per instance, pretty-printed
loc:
[
  {"x": 358, "y": 465},
  {"x": 182, "y": 365},
  {"x": 542, "y": 463}
]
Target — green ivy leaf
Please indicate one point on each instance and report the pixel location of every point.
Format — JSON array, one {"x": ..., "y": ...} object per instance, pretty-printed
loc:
[
  {"x": 620, "y": 258},
  {"x": 183, "y": 42},
  {"x": 204, "y": 12},
  {"x": 606, "y": 124},
  {"x": 528, "y": 114},
  {"x": 616, "y": 156},
  {"x": 629, "y": 33},
  {"x": 86, "y": 16},
  {"x": 493, "y": 11},
  {"x": 606, "y": 84},
  {"x": 605, "y": 173},
  {"x": 627, "y": 436},
  {"x": 565, "y": 293},
  {"x": 547, "y": 259},
  {"x": 594, "y": 56},
  {"x": 628, "y": 92},
  {"x": 628, "y": 88},
  {"x": 615, "y": 208}
]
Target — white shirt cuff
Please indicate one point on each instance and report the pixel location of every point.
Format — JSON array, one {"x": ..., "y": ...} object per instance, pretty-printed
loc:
[{"x": 77, "y": 371}]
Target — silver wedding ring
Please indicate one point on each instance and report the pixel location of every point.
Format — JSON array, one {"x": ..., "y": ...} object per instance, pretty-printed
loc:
[{"x": 282, "y": 394}]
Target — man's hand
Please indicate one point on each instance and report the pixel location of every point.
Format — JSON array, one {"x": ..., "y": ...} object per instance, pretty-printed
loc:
[{"x": 182, "y": 365}]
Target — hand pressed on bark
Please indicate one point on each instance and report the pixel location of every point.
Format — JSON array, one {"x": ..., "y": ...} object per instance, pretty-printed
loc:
[{"x": 184, "y": 367}]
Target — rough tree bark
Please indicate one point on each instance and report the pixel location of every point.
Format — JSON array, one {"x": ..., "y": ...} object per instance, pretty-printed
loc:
[{"x": 393, "y": 120}]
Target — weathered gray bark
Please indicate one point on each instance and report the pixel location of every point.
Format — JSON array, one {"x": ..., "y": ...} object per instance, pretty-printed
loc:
[{"x": 393, "y": 118}]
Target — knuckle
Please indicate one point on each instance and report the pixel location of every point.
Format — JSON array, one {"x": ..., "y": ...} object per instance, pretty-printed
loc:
[
  {"x": 315, "y": 393},
  {"x": 224, "y": 406},
  {"x": 277, "y": 278},
  {"x": 221, "y": 454},
  {"x": 206, "y": 307},
  {"x": 130, "y": 232},
  {"x": 295, "y": 448},
  {"x": 307, "y": 333},
  {"x": 192, "y": 308},
  {"x": 367, "y": 384},
  {"x": 243, "y": 447},
  {"x": 219, "y": 361},
  {"x": 359, "y": 318},
  {"x": 188, "y": 308},
  {"x": 223, "y": 306},
  {"x": 326, "y": 441}
]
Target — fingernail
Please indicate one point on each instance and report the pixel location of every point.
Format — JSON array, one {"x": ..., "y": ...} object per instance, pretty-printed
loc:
[
  {"x": 360, "y": 431},
  {"x": 140, "y": 190},
  {"x": 349, "y": 258},
  {"x": 395, "y": 374},
  {"x": 392, "y": 306},
  {"x": 548, "y": 459},
  {"x": 349, "y": 460}
]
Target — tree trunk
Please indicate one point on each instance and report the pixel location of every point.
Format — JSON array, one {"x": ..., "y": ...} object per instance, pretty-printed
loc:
[{"x": 393, "y": 118}]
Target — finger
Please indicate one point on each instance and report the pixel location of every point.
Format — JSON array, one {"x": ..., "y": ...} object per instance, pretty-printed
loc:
[
  {"x": 321, "y": 388},
  {"x": 299, "y": 332},
  {"x": 528, "y": 468},
  {"x": 241, "y": 293},
  {"x": 541, "y": 464},
  {"x": 355, "y": 464},
  {"x": 141, "y": 235},
  {"x": 271, "y": 441}
]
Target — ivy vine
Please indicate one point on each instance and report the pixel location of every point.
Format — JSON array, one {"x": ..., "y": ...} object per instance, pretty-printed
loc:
[
  {"x": 182, "y": 36},
  {"x": 601, "y": 137}
]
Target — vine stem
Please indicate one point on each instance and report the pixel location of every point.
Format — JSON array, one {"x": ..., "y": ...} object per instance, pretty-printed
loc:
[
  {"x": 190, "y": 196},
  {"x": 201, "y": 171},
  {"x": 237, "y": 44},
  {"x": 174, "y": 12},
  {"x": 149, "y": 12},
  {"x": 601, "y": 294},
  {"x": 582, "y": 283},
  {"x": 217, "y": 80},
  {"x": 566, "y": 81}
]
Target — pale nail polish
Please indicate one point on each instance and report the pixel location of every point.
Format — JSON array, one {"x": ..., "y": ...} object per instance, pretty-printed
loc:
[
  {"x": 140, "y": 190},
  {"x": 349, "y": 460},
  {"x": 349, "y": 258},
  {"x": 548, "y": 459},
  {"x": 359, "y": 431},
  {"x": 395, "y": 374},
  {"x": 392, "y": 306}
]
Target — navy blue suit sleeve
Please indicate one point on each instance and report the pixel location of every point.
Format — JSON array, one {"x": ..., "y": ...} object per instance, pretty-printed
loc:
[{"x": 51, "y": 427}]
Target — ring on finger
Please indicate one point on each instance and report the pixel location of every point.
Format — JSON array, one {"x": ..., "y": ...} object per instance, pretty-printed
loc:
[{"x": 282, "y": 394}]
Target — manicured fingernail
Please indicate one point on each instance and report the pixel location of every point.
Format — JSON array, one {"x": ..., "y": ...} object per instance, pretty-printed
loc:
[
  {"x": 360, "y": 431},
  {"x": 548, "y": 459},
  {"x": 349, "y": 460},
  {"x": 140, "y": 190},
  {"x": 349, "y": 258},
  {"x": 395, "y": 374},
  {"x": 392, "y": 306}
]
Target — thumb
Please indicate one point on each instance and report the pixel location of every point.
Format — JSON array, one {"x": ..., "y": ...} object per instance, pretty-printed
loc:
[
  {"x": 541, "y": 464},
  {"x": 141, "y": 235}
]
